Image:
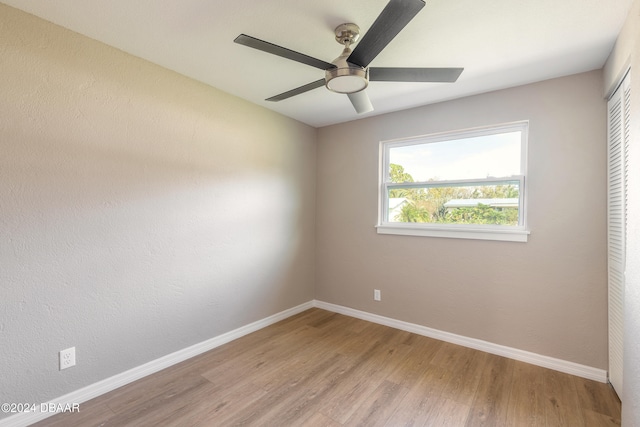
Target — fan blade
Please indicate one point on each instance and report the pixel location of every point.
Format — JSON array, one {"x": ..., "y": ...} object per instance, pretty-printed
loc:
[
  {"x": 360, "y": 101},
  {"x": 434, "y": 75},
  {"x": 274, "y": 49},
  {"x": 297, "y": 91},
  {"x": 394, "y": 17}
]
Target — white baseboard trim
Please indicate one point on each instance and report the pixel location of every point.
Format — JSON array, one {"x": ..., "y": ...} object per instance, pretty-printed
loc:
[
  {"x": 500, "y": 350},
  {"x": 101, "y": 387}
]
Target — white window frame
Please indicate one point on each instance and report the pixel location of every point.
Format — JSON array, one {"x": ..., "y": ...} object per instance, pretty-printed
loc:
[{"x": 518, "y": 233}]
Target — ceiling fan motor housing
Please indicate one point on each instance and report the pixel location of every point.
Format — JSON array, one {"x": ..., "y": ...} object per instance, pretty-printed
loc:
[{"x": 346, "y": 77}]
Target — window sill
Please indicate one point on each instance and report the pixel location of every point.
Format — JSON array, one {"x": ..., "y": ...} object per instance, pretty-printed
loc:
[{"x": 452, "y": 232}]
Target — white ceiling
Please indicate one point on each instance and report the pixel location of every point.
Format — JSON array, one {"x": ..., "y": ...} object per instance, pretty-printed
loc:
[{"x": 500, "y": 43}]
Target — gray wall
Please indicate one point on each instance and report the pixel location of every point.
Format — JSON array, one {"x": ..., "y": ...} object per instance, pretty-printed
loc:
[
  {"x": 627, "y": 53},
  {"x": 140, "y": 212},
  {"x": 547, "y": 296}
]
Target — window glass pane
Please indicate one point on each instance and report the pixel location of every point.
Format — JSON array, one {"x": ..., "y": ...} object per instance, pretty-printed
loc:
[
  {"x": 466, "y": 158},
  {"x": 446, "y": 204}
]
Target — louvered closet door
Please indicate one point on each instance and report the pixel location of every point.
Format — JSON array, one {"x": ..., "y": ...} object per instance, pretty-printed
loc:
[{"x": 618, "y": 145}]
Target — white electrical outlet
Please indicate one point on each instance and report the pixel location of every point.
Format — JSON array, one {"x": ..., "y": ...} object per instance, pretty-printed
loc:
[
  {"x": 376, "y": 294},
  {"x": 67, "y": 358}
]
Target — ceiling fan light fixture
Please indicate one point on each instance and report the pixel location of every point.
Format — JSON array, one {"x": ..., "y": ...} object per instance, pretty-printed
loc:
[{"x": 346, "y": 80}]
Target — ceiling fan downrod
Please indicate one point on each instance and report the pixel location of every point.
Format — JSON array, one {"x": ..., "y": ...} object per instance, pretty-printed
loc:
[{"x": 346, "y": 77}]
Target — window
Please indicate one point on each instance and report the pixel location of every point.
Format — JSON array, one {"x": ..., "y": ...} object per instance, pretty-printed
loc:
[{"x": 466, "y": 184}]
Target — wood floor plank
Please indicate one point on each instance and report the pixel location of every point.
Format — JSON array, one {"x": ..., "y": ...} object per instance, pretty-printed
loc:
[
  {"x": 433, "y": 381},
  {"x": 379, "y": 406},
  {"x": 223, "y": 369},
  {"x": 306, "y": 317},
  {"x": 451, "y": 356},
  {"x": 92, "y": 413},
  {"x": 416, "y": 362},
  {"x": 319, "y": 420},
  {"x": 357, "y": 383},
  {"x": 597, "y": 397},
  {"x": 447, "y": 413},
  {"x": 420, "y": 408},
  {"x": 296, "y": 368},
  {"x": 369, "y": 370},
  {"x": 562, "y": 406},
  {"x": 354, "y": 325},
  {"x": 596, "y": 419},
  {"x": 463, "y": 383},
  {"x": 278, "y": 402},
  {"x": 371, "y": 335},
  {"x": 526, "y": 404},
  {"x": 305, "y": 404},
  {"x": 257, "y": 363},
  {"x": 491, "y": 401},
  {"x": 137, "y": 399},
  {"x": 319, "y": 368},
  {"x": 417, "y": 407},
  {"x": 163, "y": 408},
  {"x": 413, "y": 410},
  {"x": 217, "y": 408}
]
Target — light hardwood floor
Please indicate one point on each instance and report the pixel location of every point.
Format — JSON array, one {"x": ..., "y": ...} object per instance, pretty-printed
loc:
[{"x": 324, "y": 369}]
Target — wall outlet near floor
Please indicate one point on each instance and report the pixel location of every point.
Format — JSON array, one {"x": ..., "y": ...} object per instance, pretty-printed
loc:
[
  {"x": 376, "y": 294},
  {"x": 67, "y": 358}
]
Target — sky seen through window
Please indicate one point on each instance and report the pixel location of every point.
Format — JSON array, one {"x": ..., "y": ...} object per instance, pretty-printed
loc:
[{"x": 468, "y": 158}]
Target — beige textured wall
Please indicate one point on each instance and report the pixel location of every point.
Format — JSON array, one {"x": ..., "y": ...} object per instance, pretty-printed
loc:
[
  {"x": 620, "y": 57},
  {"x": 627, "y": 53},
  {"x": 141, "y": 212},
  {"x": 547, "y": 296}
]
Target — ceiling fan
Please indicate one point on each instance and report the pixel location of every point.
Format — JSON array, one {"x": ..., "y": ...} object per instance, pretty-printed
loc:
[{"x": 350, "y": 73}]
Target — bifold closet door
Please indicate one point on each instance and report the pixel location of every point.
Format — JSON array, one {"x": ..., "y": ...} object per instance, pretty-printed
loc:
[{"x": 618, "y": 148}]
